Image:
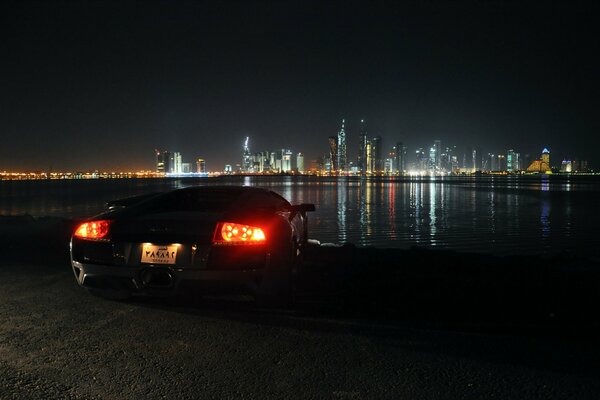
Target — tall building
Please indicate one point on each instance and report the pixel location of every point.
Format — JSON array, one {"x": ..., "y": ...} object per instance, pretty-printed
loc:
[
  {"x": 300, "y": 162},
  {"x": 377, "y": 154},
  {"x": 162, "y": 161},
  {"x": 369, "y": 157},
  {"x": 513, "y": 163},
  {"x": 502, "y": 162},
  {"x": 201, "y": 166},
  {"x": 421, "y": 160},
  {"x": 286, "y": 161},
  {"x": 399, "y": 158},
  {"x": 542, "y": 165},
  {"x": 177, "y": 166},
  {"x": 333, "y": 153},
  {"x": 432, "y": 158},
  {"x": 247, "y": 157},
  {"x": 476, "y": 159},
  {"x": 342, "y": 160},
  {"x": 546, "y": 157},
  {"x": 362, "y": 148},
  {"x": 493, "y": 163},
  {"x": 277, "y": 157},
  {"x": 437, "y": 145},
  {"x": 388, "y": 166},
  {"x": 262, "y": 161}
]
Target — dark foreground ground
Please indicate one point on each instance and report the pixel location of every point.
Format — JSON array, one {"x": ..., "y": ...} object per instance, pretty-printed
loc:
[{"x": 368, "y": 324}]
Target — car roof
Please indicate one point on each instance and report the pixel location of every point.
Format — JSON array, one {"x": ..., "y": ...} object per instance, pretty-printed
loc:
[{"x": 232, "y": 188}]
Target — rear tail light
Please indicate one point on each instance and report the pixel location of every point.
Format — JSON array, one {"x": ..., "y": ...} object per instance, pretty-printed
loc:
[
  {"x": 93, "y": 230},
  {"x": 231, "y": 233}
]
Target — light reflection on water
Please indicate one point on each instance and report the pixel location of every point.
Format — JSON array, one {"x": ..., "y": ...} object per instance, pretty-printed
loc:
[{"x": 503, "y": 215}]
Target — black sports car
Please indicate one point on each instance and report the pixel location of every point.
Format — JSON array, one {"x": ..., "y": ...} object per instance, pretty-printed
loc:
[{"x": 196, "y": 238}]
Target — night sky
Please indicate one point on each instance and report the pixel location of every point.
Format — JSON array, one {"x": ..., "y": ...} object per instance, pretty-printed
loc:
[{"x": 99, "y": 85}]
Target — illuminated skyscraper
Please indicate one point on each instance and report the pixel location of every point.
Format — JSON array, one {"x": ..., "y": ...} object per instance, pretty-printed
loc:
[
  {"x": 432, "y": 158},
  {"x": 341, "y": 148},
  {"x": 286, "y": 161},
  {"x": 162, "y": 161},
  {"x": 437, "y": 161},
  {"x": 542, "y": 165},
  {"x": 362, "y": 148},
  {"x": 333, "y": 153},
  {"x": 177, "y": 166},
  {"x": 493, "y": 163},
  {"x": 421, "y": 160},
  {"x": 400, "y": 158},
  {"x": 546, "y": 157},
  {"x": 377, "y": 154},
  {"x": 501, "y": 162},
  {"x": 247, "y": 157},
  {"x": 201, "y": 166},
  {"x": 513, "y": 163},
  {"x": 369, "y": 157},
  {"x": 300, "y": 162}
]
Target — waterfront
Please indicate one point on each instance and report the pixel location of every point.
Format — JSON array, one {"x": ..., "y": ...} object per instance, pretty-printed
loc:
[{"x": 496, "y": 214}]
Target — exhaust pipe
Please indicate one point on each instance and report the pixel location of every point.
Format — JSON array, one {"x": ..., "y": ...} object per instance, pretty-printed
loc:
[{"x": 156, "y": 278}]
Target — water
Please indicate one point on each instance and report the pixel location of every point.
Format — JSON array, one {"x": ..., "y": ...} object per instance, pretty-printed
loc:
[{"x": 497, "y": 214}]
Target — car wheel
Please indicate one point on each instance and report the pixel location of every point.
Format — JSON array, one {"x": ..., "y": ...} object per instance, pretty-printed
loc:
[{"x": 277, "y": 288}]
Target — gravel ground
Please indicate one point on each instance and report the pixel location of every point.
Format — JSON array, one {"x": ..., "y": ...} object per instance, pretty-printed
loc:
[
  {"x": 57, "y": 341},
  {"x": 440, "y": 338}
]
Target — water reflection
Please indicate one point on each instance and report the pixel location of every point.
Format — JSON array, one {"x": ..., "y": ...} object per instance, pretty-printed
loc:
[
  {"x": 342, "y": 198},
  {"x": 432, "y": 217},
  {"x": 500, "y": 214},
  {"x": 545, "y": 217}
]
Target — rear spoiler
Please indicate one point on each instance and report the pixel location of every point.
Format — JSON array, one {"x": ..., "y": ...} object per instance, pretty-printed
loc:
[{"x": 302, "y": 209}]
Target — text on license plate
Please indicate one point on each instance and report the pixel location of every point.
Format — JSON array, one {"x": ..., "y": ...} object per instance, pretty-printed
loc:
[{"x": 154, "y": 254}]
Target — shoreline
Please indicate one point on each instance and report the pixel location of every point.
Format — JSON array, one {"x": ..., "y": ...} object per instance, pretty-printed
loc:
[{"x": 399, "y": 284}]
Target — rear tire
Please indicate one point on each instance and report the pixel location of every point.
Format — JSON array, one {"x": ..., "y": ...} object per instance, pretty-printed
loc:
[{"x": 277, "y": 288}]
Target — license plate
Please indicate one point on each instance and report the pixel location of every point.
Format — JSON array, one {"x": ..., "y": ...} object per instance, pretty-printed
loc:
[{"x": 153, "y": 254}]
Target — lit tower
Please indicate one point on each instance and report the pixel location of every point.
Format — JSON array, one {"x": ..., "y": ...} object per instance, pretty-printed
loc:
[
  {"x": 377, "y": 154},
  {"x": 201, "y": 166},
  {"x": 341, "y": 148},
  {"x": 247, "y": 157},
  {"x": 399, "y": 154},
  {"x": 362, "y": 148},
  {"x": 333, "y": 153},
  {"x": 300, "y": 162},
  {"x": 437, "y": 144},
  {"x": 546, "y": 157},
  {"x": 160, "y": 162},
  {"x": 369, "y": 157},
  {"x": 513, "y": 161}
]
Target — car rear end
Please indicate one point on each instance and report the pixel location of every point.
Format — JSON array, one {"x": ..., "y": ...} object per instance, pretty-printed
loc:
[{"x": 158, "y": 249}]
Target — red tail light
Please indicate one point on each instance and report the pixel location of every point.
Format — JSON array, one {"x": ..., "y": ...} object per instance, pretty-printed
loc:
[
  {"x": 231, "y": 233},
  {"x": 93, "y": 230}
]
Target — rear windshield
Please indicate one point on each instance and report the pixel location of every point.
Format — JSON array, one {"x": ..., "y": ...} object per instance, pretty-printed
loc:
[{"x": 196, "y": 200}]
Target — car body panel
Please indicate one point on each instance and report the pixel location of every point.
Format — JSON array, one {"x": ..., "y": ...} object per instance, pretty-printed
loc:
[{"x": 115, "y": 262}]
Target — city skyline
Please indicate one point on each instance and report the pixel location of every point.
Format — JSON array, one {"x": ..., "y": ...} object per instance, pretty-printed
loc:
[
  {"x": 374, "y": 158},
  {"x": 83, "y": 81}
]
